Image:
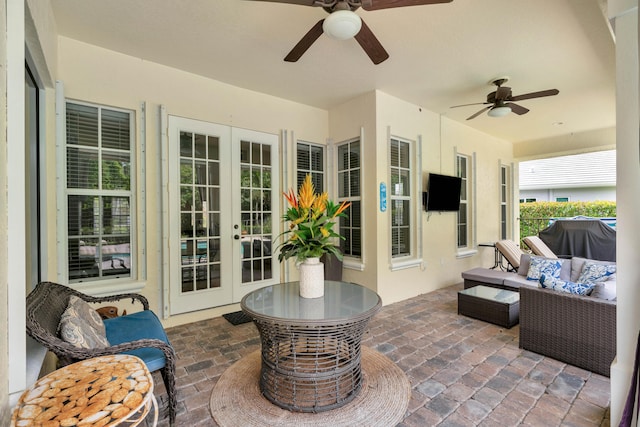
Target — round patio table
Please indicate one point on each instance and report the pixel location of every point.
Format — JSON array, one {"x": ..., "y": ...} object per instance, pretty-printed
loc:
[{"x": 311, "y": 347}]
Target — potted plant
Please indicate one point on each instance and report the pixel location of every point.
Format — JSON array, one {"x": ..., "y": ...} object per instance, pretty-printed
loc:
[{"x": 310, "y": 234}]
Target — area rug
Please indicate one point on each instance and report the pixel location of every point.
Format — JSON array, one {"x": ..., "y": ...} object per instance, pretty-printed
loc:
[
  {"x": 383, "y": 400},
  {"x": 237, "y": 318}
]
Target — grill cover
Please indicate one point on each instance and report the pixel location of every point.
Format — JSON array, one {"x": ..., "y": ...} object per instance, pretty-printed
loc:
[{"x": 587, "y": 238}]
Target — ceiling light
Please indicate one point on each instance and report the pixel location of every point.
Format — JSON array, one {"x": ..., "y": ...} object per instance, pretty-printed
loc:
[
  {"x": 342, "y": 24},
  {"x": 499, "y": 111}
]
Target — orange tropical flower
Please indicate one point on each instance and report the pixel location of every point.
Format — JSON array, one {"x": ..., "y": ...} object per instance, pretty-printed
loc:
[
  {"x": 343, "y": 206},
  {"x": 306, "y": 194},
  {"x": 291, "y": 198},
  {"x": 311, "y": 218}
]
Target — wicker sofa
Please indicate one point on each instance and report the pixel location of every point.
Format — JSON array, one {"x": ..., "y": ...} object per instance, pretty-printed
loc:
[{"x": 578, "y": 330}]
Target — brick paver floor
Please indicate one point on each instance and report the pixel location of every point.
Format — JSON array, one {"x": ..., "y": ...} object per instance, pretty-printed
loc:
[{"x": 463, "y": 372}]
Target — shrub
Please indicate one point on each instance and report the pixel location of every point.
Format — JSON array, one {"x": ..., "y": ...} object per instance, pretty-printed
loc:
[{"x": 534, "y": 216}]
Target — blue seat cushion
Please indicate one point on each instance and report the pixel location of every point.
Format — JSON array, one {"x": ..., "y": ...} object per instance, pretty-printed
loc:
[{"x": 141, "y": 325}]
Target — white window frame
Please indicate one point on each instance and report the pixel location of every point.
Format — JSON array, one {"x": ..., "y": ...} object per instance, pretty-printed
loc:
[
  {"x": 322, "y": 172},
  {"x": 102, "y": 285},
  {"x": 413, "y": 257},
  {"x": 470, "y": 202},
  {"x": 351, "y": 261},
  {"x": 505, "y": 198}
]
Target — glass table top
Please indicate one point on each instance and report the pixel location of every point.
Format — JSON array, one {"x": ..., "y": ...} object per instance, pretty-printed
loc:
[
  {"x": 493, "y": 294},
  {"x": 341, "y": 300}
]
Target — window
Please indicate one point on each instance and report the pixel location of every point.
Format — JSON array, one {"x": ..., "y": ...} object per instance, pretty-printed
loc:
[
  {"x": 562, "y": 199},
  {"x": 400, "y": 198},
  {"x": 99, "y": 163},
  {"x": 504, "y": 201},
  {"x": 310, "y": 160},
  {"x": 464, "y": 214},
  {"x": 348, "y": 170},
  {"x": 527, "y": 200}
]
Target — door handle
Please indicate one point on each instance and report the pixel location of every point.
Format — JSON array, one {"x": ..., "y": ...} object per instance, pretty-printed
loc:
[{"x": 237, "y": 237}]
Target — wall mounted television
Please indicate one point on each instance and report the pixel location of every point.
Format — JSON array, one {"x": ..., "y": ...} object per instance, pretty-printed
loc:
[{"x": 443, "y": 193}]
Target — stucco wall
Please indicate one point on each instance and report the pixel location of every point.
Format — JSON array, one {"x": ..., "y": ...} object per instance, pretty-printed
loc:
[
  {"x": 101, "y": 76},
  {"x": 5, "y": 412},
  {"x": 379, "y": 115},
  {"x": 127, "y": 81},
  {"x": 354, "y": 119}
]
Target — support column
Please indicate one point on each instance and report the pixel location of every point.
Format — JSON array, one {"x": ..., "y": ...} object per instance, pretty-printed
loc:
[{"x": 624, "y": 14}]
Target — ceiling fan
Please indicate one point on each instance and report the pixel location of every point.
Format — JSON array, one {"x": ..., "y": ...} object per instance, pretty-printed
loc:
[
  {"x": 343, "y": 23},
  {"x": 500, "y": 100}
]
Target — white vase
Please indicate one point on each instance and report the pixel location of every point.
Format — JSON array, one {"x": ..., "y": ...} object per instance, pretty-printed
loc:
[{"x": 311, "y": 278}]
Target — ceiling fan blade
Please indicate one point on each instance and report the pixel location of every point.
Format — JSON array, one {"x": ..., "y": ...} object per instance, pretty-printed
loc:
[
  {"x": 479, "y": 112},
  {"x": 305, "y": 43},
  {"x": 387, "y": 4},
  {"x": 299, "y": 2},
  {"x": 466, "y": 105},
  {"x": 371, "y": 45},
  {"x": 540, "y": 94},
  {"x": 518, "y": 109}
]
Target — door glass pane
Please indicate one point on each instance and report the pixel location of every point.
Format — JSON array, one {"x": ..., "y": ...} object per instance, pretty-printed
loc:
[
  {"x": 255, "y": 185},
  {"x": 200, "y": 212}
]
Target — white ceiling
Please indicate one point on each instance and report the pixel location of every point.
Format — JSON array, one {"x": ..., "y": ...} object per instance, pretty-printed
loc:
[{"x": 440, "y": 55}]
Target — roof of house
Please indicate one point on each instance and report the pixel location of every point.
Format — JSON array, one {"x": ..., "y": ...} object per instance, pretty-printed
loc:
[{"x": 596, "y": 169}]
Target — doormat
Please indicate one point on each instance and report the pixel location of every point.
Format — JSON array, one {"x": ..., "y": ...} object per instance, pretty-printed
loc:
[{"x": 237, "y": 317}]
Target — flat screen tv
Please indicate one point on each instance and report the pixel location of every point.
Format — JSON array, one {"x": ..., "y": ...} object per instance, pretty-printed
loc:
[{"x": 443, "y": 193}]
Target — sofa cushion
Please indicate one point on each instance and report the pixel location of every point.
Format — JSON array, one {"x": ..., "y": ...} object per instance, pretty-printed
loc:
[
  {"x": 81, "y": 325},
  {"x": 525, "y": 259},
  {"x": 515, "y": 281},
  {"x": 566, "y": 286},
  {"x": 594, "y": 271},
  {"x": 141, "y": 325},
  {"x": 577, "y": 264},
  {"x": 549, "y": 267},
  {"x": 486, "y": 275},
  {"x": 605, "y": 290}
]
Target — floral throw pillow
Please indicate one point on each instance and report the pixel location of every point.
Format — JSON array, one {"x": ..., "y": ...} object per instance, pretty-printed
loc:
[
  {"x": 595, "y": 272},
  {"x": 566, "y": 286},
  {"x": 82, "y": 326},
  {"x": 547, "y": 266}
]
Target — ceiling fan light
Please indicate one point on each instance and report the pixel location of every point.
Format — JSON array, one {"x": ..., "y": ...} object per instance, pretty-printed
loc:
[
  {"x": 342, "y": 24},
  {"x": 499, "y": 111}
]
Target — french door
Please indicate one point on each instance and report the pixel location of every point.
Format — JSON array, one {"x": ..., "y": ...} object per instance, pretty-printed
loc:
[{"x": 223, "y": 192}]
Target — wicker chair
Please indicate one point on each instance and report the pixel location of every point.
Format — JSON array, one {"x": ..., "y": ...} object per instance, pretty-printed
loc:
[{"x": 47, "y": 302}]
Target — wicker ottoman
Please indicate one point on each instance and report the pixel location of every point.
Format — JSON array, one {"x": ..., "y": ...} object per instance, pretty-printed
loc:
[{"x": 498, "y": 306}]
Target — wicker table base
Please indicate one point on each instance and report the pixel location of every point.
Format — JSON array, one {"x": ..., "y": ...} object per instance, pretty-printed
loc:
[
  {"x": 311, "y": 354},
  {"x": 311, "y": 369}
]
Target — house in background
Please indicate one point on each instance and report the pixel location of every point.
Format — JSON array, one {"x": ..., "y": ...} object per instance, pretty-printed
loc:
[{"x": 575, "y": 178}]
